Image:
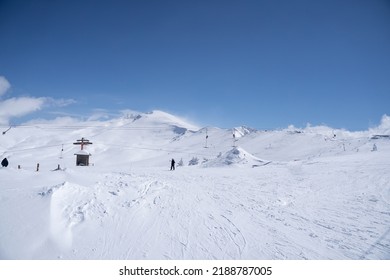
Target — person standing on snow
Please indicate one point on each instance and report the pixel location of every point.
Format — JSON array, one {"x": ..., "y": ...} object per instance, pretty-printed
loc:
[
  {"x": 4, "y": 162},
  {"x": 172, "y": 164}
]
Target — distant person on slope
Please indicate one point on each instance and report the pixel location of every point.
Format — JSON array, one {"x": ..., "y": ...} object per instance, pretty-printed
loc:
[
  {"x": 172, "y": 164},
  {"x": 4, "y": 162}
]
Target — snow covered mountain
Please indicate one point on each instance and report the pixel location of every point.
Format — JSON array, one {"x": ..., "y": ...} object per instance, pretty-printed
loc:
[{"x": 241, "y": 193}]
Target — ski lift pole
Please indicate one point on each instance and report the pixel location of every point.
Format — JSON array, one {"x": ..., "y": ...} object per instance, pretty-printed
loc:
[
  {"x": 234, "y": 138},
  {"x": 206, "y": 138},
  {"x": 62, "y": 150}
]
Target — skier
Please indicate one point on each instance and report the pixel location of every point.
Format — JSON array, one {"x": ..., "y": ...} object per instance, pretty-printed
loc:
[
  {"x": 4, "y": 162},
  {"x": 172, "y": 164}
]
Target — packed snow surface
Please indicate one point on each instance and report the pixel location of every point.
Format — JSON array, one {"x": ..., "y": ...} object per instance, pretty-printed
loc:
[{"x": 312, "y": 193}]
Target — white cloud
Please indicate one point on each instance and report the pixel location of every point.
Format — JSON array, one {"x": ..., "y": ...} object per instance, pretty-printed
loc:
[
  {"x": 17, "y": 107},
  {"x": 4, "y": 85},
  {"x": 384, "y": 126},
  {"x": 59, "y": 102},
  {"x": 100, "y": 114},
  {"x": 21, "y": 106}
]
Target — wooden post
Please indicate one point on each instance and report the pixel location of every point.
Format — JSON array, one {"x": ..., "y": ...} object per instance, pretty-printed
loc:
[{"x": 82, "y": 142}]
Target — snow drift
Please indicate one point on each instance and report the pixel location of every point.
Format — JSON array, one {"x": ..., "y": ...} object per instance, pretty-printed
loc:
[{"x": 235, "y": 157}]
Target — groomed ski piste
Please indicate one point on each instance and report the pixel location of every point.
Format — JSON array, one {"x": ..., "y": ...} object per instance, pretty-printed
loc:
[{"x": 311, "y": 193}]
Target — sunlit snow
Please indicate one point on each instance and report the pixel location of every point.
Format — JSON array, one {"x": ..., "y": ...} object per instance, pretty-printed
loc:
[{"x": 310, "y": 193}]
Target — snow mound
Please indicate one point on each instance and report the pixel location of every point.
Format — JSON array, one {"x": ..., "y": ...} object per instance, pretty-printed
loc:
[{"x": 235, "y": 156}]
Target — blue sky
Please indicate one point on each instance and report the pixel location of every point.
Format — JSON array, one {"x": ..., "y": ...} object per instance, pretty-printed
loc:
[{"x": 262, "y": 63}]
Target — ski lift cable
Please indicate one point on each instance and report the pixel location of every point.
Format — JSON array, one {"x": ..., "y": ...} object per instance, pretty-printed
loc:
[
  {"x": 86, "y": 127},
  {"x": 36, "y": 148},
  {"x": 74, "y": 127},
  {"x": 178, "y": 151}
]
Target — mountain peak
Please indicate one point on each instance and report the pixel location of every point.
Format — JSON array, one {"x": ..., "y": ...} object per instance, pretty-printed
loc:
[{"x": 161, "y": 117}]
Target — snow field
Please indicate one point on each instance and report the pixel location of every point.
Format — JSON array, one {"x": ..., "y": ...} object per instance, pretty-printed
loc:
[
  {"x": 278, "y": 195},
  {"x": 312, "y": 210}
]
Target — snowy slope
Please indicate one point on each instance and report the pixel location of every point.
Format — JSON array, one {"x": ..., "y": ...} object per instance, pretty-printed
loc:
[{"x": 311, "y": 195}]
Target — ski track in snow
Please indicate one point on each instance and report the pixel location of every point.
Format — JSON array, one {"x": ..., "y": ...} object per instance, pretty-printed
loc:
[{"x": 203, "y": 214}]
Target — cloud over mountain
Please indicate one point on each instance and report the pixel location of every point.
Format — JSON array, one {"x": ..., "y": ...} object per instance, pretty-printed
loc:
[
  {"x": 20, "y": 106},
  {"x": 17, "y": 107}
]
